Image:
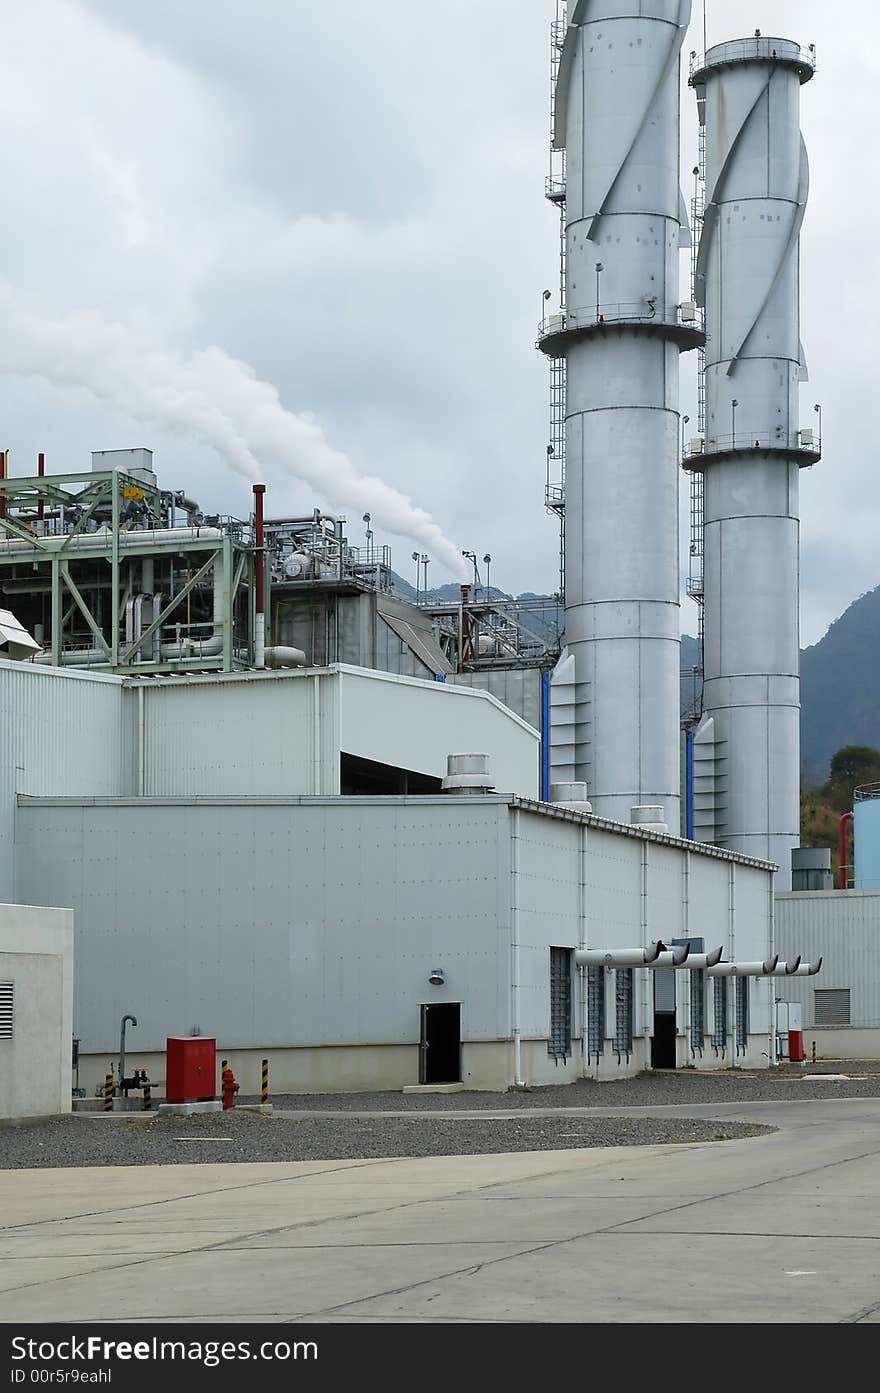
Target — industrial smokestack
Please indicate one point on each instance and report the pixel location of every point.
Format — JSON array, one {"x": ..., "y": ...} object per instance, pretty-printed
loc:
[
  {"x": 617, "y": 117},
  {"x": 757, "y": 179}
]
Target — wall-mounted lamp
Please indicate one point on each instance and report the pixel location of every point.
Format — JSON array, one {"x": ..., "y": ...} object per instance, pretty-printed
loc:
[{"x": 437, "y": 977}]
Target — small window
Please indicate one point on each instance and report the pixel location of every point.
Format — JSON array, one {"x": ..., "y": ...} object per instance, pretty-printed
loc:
[
  {"x": 595, "y": 1010},
  {"x": 832, "y": 1006},
  {"x": 6, "y": 1005},
  {"x": 698, "y": 1010},
  {"x": 719, "y": 1033},
  {"x": 742, "y": 1015},
  {"x": 559, "y": 1044},
  {"x": 623, "y": 1030}
]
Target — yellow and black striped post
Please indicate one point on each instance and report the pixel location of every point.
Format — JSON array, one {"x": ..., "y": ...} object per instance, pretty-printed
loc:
[
  {"x": 813, "y": 1052},
  {"x": 148, "y": 1096},
  {"x": 108, "y": 1091},
  {"x": 264, "y": 1083}
]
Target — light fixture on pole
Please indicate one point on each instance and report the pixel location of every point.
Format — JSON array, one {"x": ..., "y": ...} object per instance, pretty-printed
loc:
[
  {"x": 685, "y": 420},
  {"x": 818, "y": 410},
  {"x": 472, "y": 557},
  {"x": 599, "y": 269},
  {"x": 425, "y": 560},
  {"x": 487, "y": 562},
  {"x": 544, "y": 298},
  {"x": 733, "y": 405},
  {"x": 415, "y": 557},
  {"x": 367, "y": 520}
]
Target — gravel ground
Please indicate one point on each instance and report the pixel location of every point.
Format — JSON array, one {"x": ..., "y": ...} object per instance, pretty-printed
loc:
[
  {"x": 645, "y": 1090},
  {"x": 91, "y": 1140}
]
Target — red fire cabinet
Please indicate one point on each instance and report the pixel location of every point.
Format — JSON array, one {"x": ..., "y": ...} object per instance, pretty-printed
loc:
[{"x": 190, "y": 1068}]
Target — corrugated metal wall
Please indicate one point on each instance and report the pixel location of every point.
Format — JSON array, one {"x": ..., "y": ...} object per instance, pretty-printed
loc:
[
  {"x": 843, "y": 928},
  {"x": 63, "y": 734},
  {"x": 272, "y": 734},
  {"x": 517, "y": 688}
]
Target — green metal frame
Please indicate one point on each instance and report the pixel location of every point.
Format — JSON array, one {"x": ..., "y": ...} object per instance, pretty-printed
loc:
[{"x": 107, "y": 488}]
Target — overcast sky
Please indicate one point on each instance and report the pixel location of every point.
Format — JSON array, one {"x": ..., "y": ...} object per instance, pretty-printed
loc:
[{"x": 348, "y": 198}]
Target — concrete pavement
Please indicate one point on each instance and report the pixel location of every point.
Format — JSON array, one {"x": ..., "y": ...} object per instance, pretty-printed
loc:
[{"x": 783, "y": 1227}]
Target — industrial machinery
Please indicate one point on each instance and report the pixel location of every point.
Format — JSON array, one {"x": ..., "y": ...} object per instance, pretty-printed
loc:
[{"x": 109, "y": 571}]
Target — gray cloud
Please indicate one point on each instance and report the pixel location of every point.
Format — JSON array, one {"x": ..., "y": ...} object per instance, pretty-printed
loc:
[{"x": 349, "y": 199}]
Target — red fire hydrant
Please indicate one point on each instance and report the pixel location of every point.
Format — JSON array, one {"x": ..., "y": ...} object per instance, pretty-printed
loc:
[{"x": 229, "y": 1088}]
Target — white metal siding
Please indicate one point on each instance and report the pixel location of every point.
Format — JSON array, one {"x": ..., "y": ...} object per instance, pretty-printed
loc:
[
  {"x": 275, "y": 735},
  {"x": 278, "y": 923},
  {"x": 843, "y": 928},
  {"x": 62, "y": 734}
]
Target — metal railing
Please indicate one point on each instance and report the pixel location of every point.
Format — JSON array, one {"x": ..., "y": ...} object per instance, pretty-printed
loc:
[
  {"x": 745, "y": 440},
  {"x": 866, "y": 791},
  {"x": 638, "y": 312},
  {"x": 736, "y": 50}
]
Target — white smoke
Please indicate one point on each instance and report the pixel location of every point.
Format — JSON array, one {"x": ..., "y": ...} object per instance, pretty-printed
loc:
[{"x": 211, "y": 396}]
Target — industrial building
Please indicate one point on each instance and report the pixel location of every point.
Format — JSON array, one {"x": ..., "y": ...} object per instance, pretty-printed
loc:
[{"x": 393, "y": 843}]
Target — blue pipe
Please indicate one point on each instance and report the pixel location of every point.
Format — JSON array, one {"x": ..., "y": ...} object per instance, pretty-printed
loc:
[
  {"x": 545, "y": 737},
  {"x": 689, "y": 782}
]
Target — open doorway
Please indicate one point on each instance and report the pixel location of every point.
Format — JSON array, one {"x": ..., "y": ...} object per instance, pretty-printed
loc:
[
  {"x": 663, "y": 1041},
  {"x": 440, "y": 1050}
]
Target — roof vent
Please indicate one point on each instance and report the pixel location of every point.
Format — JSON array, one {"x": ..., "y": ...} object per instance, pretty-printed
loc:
[
  {"x": 571, "y": 796},
  {"x": 468, "y": 774},
  {"x": 650, "y": 819}
]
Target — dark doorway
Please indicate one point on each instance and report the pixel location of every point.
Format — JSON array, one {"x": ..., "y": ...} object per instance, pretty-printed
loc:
[
  {"x": 663, "y": 1044},
  {"x": 440, "y": 1052}
]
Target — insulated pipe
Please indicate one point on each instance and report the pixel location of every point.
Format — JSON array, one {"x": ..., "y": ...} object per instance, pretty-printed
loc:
[
  {"x": 617, "y": 957},
  {"x": 259, "y": 582},
  {"x": 807, "y": 969},
  {"x": 4, "y": 462},
  {"x": 760, "y": 969},
  {"x": 41, "y": 469},
  {"x": 701, "y": 962},
  {"x": 841, "y": 851},
  {"x": 672, "y": 958}
]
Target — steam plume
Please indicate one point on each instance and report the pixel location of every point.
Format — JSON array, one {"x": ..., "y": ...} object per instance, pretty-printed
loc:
[{"x": 212, "y": 396}]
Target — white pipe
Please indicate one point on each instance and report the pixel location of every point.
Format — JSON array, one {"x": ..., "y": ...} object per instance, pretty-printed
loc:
[
  {"x": 141, "y": 743},
  {"x": 751, "y": 969},
  {"x": 260, "y": 640},
  {"x": 672, "y": 958},
  {"x": 617, "y": 957},
  {"x": 775, "y": 959},
  {"x": 514, "y": 948},
  {"x": 156, "y": 538},
  {"x": 807, "y": 969}
]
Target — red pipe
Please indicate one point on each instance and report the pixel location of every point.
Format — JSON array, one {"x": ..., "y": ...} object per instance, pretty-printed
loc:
[
  {"x": 841, "y": 851},
  {"x": 260, "y": 605},
  {"x": 41, "y": 469},
  {"x": 259, "y": 581}
]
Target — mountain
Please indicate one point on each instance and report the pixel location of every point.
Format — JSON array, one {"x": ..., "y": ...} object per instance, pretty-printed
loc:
[{"x": 840, "y": 682}]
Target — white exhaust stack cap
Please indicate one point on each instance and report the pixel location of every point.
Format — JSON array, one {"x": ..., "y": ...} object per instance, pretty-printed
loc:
[
  {"x": 651, "y": 819},
  {"x": 571, "y": 796},
  {"x": 468, "y": 774}
]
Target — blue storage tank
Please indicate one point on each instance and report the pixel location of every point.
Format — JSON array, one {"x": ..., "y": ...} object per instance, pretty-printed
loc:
[{"x": 866, "y": 829}]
